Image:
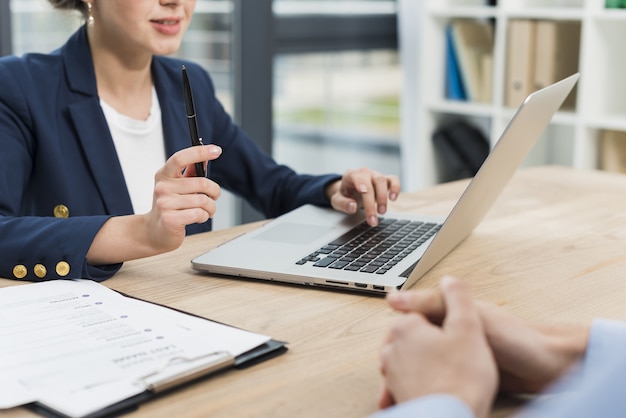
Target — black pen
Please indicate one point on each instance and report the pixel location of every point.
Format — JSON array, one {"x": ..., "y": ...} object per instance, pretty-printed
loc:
[{"x": 191, "y": 120}]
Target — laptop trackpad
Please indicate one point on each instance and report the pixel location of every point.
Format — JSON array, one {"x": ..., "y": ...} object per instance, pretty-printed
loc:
[{"x": 293, "y": 233}]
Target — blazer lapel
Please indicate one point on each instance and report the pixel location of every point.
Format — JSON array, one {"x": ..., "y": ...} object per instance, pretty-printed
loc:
[
  {"x": 92, "y": 130},
  {"x": 169, "y": 89},
  {"x": 93, "y": 133}
]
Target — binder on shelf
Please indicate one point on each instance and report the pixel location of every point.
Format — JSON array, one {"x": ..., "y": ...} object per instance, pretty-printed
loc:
[
  {"x": 487, "y": 83},
  {"x": 520, "y": 62},
  {"x": 455, "y": 89},
  {"x": 75, "y": 348},
  {"x": 613, "y": 151},
  {"x": 557, "y": 46},
  {"x": 473, "y": 41}
]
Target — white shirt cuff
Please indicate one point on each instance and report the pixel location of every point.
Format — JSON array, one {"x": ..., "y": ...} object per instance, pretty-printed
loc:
[{"x": 431, "y": 406}]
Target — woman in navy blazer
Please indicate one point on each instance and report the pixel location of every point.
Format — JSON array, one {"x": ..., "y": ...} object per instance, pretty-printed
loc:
[{"x": 65, "y": 209}]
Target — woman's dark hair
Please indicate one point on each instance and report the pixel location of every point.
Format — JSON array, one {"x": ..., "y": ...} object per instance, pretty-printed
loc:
[{"x": 70, "y": 5}]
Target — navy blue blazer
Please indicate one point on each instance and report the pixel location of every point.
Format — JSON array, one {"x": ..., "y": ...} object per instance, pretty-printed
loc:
[{"x": 60, "y": 178}]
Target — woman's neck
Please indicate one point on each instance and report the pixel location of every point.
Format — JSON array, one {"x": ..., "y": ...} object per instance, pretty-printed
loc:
[{"x": 123, "y": 79}]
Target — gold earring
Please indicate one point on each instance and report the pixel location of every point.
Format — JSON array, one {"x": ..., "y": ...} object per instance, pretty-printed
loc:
[{"x": 90, "y": 19}]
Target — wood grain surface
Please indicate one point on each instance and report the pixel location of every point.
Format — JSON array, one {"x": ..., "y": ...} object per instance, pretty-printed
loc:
[{"x": 552, "y": 249}]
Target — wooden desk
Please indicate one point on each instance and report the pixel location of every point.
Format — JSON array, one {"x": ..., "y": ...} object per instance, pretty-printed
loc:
[{"x": 553, "y": 248}]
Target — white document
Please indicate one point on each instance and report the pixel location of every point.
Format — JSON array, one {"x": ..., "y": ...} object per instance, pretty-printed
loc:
[{"x": 77, "y": 346}]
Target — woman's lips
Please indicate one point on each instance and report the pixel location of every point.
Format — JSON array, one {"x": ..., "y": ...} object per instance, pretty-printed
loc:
[{"x": 166, "y": 26}]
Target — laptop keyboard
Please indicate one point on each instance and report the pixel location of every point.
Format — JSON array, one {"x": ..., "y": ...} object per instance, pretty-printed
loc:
[{"x": 373, "y": 249}]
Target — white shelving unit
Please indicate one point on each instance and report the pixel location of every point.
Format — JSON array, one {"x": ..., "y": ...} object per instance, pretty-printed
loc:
[{"x": 572, "y": 137}]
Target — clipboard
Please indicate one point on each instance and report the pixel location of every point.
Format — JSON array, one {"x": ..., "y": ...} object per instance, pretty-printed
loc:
[
  {"x": 269, "y": 350},
  {"x": 174, "y": 371}
]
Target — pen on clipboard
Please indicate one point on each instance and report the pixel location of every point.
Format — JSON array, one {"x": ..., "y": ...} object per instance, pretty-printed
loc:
[
  {"x": 164, "y": 378},
  {"x": 191, "y": 120}
]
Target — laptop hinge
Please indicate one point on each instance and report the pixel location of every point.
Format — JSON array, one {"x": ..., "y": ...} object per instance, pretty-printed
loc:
[{"x": 406, "y": 273}]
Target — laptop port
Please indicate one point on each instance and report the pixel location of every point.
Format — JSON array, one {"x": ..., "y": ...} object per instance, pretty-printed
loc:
[
  {"x": 360, "y": 285},
  {"x": 378, "y": 287},
  {"x": 334, "y": 282}
]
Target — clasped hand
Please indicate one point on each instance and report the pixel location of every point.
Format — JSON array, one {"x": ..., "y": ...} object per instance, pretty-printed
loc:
[{"x": 446, "y": 342}]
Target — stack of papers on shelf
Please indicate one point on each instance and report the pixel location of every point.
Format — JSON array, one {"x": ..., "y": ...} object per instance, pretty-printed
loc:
[{"x": 78, "y": 349}]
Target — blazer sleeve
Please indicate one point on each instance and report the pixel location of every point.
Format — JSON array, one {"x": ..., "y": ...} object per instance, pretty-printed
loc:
[{"x": 35, "y": 248}]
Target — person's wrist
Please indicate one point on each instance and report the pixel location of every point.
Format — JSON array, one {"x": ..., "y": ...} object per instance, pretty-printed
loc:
[
  {"x": 123, "y": 238},
  {"x": 332, "y": 188},
  {"x": 568, "y": 345},
  {"x": 149, "y": 235}
]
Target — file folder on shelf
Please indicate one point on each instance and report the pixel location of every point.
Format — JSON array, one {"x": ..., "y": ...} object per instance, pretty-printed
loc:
[{"x": 520, "y": 63}]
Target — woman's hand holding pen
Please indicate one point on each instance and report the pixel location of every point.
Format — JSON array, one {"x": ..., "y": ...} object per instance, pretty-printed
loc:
[
  {"x": 364, "y": 188},
  {"x": 180, "y": 199}
]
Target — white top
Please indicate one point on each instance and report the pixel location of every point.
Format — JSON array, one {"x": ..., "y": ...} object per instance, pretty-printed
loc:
[{"x": 141, "y": 150}]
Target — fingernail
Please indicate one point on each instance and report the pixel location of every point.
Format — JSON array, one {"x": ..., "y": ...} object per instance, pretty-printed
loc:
[
  {"x": 393, "y": 196},
  {"x": 363, "y": 188},
  {"x": 372, "y": 220},
  {"x": 352, "y": 207},
  {"x": 216, "y": 150},
  {"x": 382, "y": 208}
]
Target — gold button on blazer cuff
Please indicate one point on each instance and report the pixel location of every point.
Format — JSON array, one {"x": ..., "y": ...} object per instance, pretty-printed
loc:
[
  {"x": 20, "y": 271},
  {"x": 61, "y": 211},
  {"x": 40, "y": 270},
  {"x": 63, "y": 268}
]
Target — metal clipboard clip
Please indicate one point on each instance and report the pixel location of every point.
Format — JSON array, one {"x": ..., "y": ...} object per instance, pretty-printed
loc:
[{"x": 179, "y": 370}]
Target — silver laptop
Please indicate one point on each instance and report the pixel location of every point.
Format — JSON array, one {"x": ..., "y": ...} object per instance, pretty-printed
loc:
[{"x": 321, "y": 247}]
